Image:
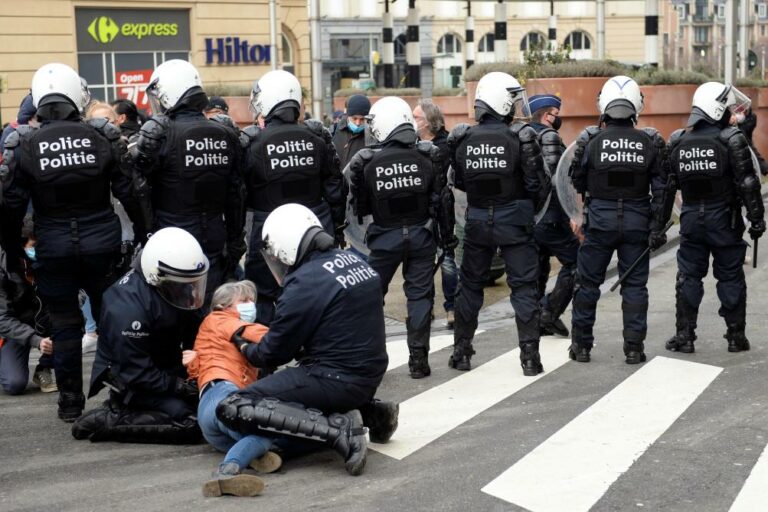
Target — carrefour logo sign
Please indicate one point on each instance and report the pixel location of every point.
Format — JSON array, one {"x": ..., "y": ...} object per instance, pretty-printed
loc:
[{"x": 104, "y": 29}]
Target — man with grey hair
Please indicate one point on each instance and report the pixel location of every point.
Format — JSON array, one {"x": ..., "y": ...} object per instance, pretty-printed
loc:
[{"x": 430, "y": 125}]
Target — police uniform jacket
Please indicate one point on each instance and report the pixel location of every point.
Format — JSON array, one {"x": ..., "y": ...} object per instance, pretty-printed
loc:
[
  {"x": 552, "y": 149},
  {"x": 331, "y": 311},
  {"x": 141, "y": 337}
]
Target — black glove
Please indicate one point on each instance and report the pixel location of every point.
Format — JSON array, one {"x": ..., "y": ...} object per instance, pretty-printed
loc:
[
  {"x": 656, "y": 240},
  {"x": 238, "y": 340},
  {"x": 757, "y": 229},
  {"x": 125, "y": 258},
  {"x": 450, "y": 243},
  {"x": 186, "y": 390},
  {"x": 338, "y": 236}
]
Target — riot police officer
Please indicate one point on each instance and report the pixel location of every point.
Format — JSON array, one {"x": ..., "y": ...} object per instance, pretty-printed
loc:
[
  {"x": 150, "y": 314},
  {"x": 331, "y": 319},
  {"x": 501, "y": 169},
  {"x": 67, "y": 167},
  {"x": 193, "y": 166},
  {"x": 712, "y": 165},
  {"x": 287, "y": 162},
  {"x": 553, "y": 232},
  {"x": 614, "y": 168},
  {"x": 400, "y": 186}
]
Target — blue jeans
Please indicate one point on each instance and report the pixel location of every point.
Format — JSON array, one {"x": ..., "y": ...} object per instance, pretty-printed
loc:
[
  {"x": 239, "y": 448},
  {"x": 90, "y": 322}
]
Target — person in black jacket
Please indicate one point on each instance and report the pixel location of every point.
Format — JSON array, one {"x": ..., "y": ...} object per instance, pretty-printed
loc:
[
  {"x": 711, "y": 164},
  {"x": 330, "y": 318},
  {"x": 193, "y": 166},
  {"x": 128, "y": 118},
  {"x": 501, "y": 169},
  {"x": 553, "y": 232},
  {"x": 67, "y": 167},
  {"x": 150, "y": 315},
  {"x": 349, "y": 137}
]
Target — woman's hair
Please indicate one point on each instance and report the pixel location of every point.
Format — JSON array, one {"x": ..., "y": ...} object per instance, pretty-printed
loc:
[
  {"x": 435, "y": 119},
  {"x": 229, "y": 293},
  {"x": 98, "y": 106},
  {"x": 128, "y": 108}
]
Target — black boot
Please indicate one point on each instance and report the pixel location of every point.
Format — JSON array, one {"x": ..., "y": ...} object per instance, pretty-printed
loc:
[
  {"x": 344, "y": 433},
  {"x": 685, "y": 323},
  {"x": 551, "y": 325},
  {"x": 230, "y": 481},
  {"x": 463, "y": 332},
  {"x": 418, "y": 345},
  {"x": 634, "y": 349},
  {"x": 737, "y": 340},
  {"x": 381, "y": 419},
  {"x": 530, "y": 359},
  {"x": 71, "y": 404},
  {"x": 579, "y": 350}
]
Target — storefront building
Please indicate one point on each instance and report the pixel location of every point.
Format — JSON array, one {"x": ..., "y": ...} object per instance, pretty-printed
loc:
[{"x": 115, "y": 46}]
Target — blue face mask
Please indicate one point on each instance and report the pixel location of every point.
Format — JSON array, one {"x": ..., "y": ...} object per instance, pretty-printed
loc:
[
  {"x": 30, "y": 253},
  {"x": 354, "y": 128},
  {"x": 247, "y": 311}
]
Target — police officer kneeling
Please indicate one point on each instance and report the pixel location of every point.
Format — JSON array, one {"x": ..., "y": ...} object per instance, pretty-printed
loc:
[
  {"x": 712, "y": 165},
  {"x": 502, "y": 171},
  {"x": 614, "y": 168},
  {"x": 330, "y": 318},
  {"x": 150, "y": 314},
  {"x": 400, "y": 186}
]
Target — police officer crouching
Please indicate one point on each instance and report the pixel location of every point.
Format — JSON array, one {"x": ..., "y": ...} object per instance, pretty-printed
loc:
[
  {"x": 150, "y": 314},
  {"x": 68, "y": 168},
  {"x": 553, "y": 233},
  {"x": 614, "y": 167},
  {"x": 287, "y": 162},
  {"x": 400, "y": 186},
  {"x": 712, "y": 165},
  {"x": 330, "y": 318},
  {"x": 193, "y": 166},
  {"x": 501, "y": 169}
]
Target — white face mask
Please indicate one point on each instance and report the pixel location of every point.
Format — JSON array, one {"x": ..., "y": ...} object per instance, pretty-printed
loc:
[{"x": 247, "y": 311}]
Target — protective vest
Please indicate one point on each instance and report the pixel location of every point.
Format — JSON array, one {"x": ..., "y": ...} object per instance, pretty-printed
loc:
[
  {"x": 199, "y": 159},
  {"x": 619, "y": 160},
  {"x": 702, "y": 167},
  {"x": 69, "y": 163},
  {"x": 399, "y": 181},
  {"x": 489, "y": 157},
  {"x": 289, "y": 160}
]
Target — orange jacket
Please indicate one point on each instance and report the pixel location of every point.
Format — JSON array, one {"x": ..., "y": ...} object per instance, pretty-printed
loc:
[{"x": 217, "y": 357}]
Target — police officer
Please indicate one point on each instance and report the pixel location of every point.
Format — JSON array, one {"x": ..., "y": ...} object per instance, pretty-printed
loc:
[
  {"x": 193, "y": 166},
  {"x": 400, "y": 186},
  {"x": 553, "y": 232},
  {"x": 67, "y": 167},
  {"x": 501, "y": 169},
  {"x": 614, "y": 167},
  {"x": 150, "y": 314},
  {"x": 287, "y": 162},
  {"x": 331, "y": 319},
  {"x": 711, "y": 164}
]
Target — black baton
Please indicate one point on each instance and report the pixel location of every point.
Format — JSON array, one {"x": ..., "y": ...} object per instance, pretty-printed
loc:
[
  {"x": 754, "y": 253},
  {"x": 638, "y": 260}
]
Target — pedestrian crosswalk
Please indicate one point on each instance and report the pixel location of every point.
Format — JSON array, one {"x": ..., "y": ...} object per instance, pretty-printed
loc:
[{"x": 575, "y": 467}]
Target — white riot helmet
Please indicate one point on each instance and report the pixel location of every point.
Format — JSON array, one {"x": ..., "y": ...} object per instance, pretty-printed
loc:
[
  {"x": 56, "y": 78},
  {"x": 169, "y": 82},
  {"x": 387, "y": 115},
  {"x": 502, "y": 94},
  {"x": 174, "y": 263},
  {"x": 711, "y": 100},
  {"x": 287, "y": 234},
  {"x": 620, "y": 98},
  {"x": 273, "y": 89}
]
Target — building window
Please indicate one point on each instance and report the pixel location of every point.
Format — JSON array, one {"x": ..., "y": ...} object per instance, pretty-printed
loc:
[
  {"x": 486, "y": 43},
  {"x": 286, "y": 54},
  {"x": 721, "y": 11},
  {"x": 532, "y": 41},
  {"x": 351, "y": 48},
  {"x": 701, "y": 35},
  {"x": 580, "y": 44},
  {"x": 449, "y": 61},
  {"x": 682, "y": 11},
  {"x": 449, "y": 43},
  {"x": 762, "y": 10},
  {"x": 400, "y": 44},
  {"x": 701, "y": 12}
]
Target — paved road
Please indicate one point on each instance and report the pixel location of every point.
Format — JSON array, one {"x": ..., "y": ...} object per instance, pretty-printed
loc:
[{"x": 681, "y": 432}]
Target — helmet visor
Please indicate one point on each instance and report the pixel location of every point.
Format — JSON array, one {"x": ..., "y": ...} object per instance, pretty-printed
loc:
[
  {"x": 253, "y": 104},
  {"x": 738, "y": 102},
  {"x": 277, "y": 267},
  {"x": 86, "y": 92},
  {"x": 522, "y": 110},
  {"x": 184, "y": 289},
  {"x": 153, "y": 95}
]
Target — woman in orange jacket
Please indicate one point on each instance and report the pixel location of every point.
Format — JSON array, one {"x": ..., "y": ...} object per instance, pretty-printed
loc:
[{"x": 220, "y": 370}]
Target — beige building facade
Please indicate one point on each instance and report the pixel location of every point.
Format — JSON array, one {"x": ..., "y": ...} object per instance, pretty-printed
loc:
[{"x": 115, "y": 45}]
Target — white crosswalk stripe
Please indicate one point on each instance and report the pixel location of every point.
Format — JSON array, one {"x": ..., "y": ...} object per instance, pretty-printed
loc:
[
  {"x": 584, "y": 458},
  {"x": 427, "y": 416},
  {"x": 754, "y": 495},
  {"x": 398, "y": 350}
]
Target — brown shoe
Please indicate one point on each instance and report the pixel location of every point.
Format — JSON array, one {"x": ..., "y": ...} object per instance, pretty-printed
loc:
[
  {"x": 267, "y": 463},
  {"x": 228, "y": 480}
]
